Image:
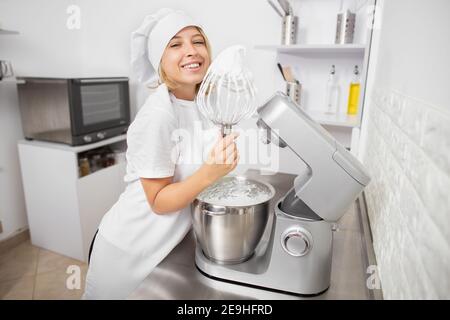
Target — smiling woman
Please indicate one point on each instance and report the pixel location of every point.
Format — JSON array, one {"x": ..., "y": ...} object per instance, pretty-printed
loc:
[
  {"x": 185, "y": 69},
  {"x": 153, "y": 214}
]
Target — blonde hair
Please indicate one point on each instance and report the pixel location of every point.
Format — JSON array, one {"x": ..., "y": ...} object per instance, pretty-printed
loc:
[{"x": 171, "y": 84}]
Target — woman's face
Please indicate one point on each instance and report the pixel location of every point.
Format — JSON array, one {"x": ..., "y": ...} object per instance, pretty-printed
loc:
[{"x": 185, "y": 59}]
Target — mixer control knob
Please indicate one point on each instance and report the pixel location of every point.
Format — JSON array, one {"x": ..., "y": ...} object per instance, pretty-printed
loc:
[{"x": 296, "y": 241}]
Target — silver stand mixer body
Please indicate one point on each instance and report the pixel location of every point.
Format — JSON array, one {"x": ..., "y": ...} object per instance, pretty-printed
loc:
[
  {"x": 296, "y": 256},
  {"x": 271, "y": 267}
]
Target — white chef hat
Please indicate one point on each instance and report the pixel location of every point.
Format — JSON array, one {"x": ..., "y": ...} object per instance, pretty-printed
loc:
[{"x": 149, "y": 41}]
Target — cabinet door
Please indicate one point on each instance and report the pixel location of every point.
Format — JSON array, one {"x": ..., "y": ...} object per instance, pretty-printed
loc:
[
  {"x": 49, "y": 175},
  {"x": 97, "y": 193}
]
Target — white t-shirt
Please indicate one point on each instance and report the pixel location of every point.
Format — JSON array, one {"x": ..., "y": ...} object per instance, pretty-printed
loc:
[{"x": 169, "y": 137}]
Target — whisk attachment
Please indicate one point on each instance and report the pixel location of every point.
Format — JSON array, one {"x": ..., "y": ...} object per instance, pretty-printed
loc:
[{"x": 227, "y": 94}]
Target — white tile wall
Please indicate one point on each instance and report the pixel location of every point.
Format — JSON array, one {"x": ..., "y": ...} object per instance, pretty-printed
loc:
[{"x": 408, "y": 157}]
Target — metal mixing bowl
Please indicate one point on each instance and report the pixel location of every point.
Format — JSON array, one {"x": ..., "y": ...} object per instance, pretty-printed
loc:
[{"x": 229, "y": 234}]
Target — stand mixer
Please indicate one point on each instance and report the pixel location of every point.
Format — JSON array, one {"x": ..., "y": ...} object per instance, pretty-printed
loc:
[{"x": 296, "y": 257}]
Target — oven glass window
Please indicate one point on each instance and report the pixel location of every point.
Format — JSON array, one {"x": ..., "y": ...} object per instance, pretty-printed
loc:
[{"x": 101, "y": 103}]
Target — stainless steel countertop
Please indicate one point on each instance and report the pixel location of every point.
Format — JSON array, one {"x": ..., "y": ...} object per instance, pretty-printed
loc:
[{"x": 177, "y": 277}]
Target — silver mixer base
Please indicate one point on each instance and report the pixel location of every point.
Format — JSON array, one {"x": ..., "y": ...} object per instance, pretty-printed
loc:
[
  {"x": 234, "y": 278},
  {"x": 258, "y": 272}
]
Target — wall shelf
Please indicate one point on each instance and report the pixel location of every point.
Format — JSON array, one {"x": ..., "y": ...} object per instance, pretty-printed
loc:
[
  {"x": 337, "y": 120},
  {"x": 315, "y": 48},
  {"x": 8, "y": 32}
]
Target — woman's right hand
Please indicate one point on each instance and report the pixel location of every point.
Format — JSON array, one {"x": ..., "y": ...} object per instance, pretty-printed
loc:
[{"x": 223, "y": 157}]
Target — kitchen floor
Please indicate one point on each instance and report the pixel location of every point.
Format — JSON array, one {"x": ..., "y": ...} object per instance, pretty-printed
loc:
[{"x": 28, "y": 272}]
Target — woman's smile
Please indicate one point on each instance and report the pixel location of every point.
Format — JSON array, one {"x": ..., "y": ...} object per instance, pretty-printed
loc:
[{"x": 193, "y": 66}]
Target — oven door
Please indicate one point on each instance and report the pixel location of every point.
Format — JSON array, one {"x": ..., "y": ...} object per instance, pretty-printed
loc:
[{"x": 99, "y": 104}]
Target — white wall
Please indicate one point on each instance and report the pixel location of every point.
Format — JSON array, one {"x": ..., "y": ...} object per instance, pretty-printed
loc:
[{"x": 406, "y": 147}]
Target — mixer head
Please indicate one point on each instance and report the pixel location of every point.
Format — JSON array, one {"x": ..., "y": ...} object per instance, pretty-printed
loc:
[{"x": 227, "y": 94}]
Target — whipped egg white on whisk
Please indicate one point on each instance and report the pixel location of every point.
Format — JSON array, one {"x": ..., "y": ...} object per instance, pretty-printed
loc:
[{"x": 227, "y": 93}]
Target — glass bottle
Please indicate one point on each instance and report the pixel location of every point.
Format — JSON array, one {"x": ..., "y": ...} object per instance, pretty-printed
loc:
[
  {"x": 332, "y": 94},
  {"x": 353, "y": 95}
]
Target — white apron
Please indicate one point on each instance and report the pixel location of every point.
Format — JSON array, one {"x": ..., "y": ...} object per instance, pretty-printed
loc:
[{"x": 132, "y": 239}]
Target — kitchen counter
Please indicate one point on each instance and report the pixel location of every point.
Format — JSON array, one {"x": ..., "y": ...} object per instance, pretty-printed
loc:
[{"x": 177, "y": 277}]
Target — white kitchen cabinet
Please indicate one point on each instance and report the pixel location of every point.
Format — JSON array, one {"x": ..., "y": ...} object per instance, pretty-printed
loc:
[
  {"x": 315, "y": 52},
  {"x": 64, "y": 209}
]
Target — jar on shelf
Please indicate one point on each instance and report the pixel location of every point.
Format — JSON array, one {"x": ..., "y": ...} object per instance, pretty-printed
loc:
[
  {"x": 110, "y": 159},
  {"x": 120, "y": 156},
  {"x": 84, "y": 166},
  {"x": 96, "y": 162}
]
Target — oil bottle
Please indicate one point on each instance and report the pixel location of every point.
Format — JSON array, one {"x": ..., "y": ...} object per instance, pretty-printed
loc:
[
  {"x": 353, "y": 95},
  {"x": 332, "y": 94}
]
